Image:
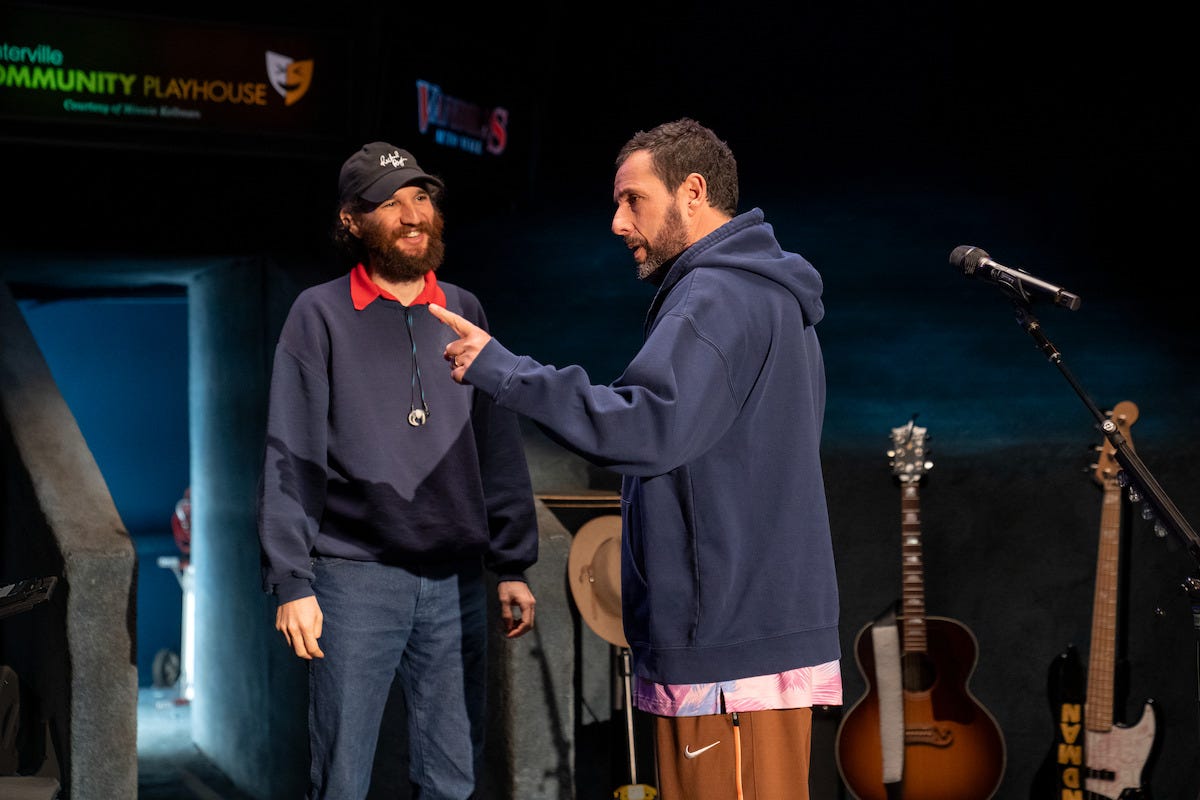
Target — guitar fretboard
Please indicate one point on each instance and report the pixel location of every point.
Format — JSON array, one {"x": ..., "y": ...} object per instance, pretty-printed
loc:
[
  {"x": 912, "y": 571},
  {"x": 1098, "y": 713},
  {"x": 1102, "y": 656}
]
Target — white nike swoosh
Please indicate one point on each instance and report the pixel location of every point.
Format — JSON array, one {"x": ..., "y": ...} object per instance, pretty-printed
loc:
[{"x": 690, "y": 753}]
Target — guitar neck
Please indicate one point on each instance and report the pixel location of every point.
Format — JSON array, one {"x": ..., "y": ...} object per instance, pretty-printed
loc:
[
  {"x": 912, "y": 571},
  {"x": 1098, "y": 713}
]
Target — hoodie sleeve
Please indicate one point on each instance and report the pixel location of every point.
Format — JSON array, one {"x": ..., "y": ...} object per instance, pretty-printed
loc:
[
  {"x": 674, "y": 399},
  {"x": 292, "y": 487}
]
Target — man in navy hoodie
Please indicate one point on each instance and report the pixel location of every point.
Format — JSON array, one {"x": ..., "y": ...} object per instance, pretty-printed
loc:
[
  {"x": 387, "y": 489},
  {"x": 729, "y": 591}
]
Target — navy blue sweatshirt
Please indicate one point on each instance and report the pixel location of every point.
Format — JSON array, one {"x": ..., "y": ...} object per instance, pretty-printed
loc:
[
  {"x": 727, "y": 560},
  {"x": 346, "y": 475}
]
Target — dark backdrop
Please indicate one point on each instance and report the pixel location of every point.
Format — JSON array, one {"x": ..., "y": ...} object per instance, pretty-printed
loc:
[{"x": 877, "y": 137}]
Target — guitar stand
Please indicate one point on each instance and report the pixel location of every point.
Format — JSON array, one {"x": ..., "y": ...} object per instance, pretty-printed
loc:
[
  {"x": 1142, "y": 484},
  {"x": 635, "y": 790}
]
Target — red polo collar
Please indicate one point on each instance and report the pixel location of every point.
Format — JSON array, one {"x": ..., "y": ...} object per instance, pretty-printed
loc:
[{"x": 364, "y": 291}]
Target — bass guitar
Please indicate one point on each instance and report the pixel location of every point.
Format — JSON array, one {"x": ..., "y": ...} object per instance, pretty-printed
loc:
[
  {"x": 1092, "y": 756},
  {"x": 939, "y": 741}
]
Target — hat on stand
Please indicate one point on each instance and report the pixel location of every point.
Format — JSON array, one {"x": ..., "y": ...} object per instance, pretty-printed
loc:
[{"x": 594, "y": 570}]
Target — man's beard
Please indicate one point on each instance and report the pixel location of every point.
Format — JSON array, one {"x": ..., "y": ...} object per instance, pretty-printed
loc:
[
  {"x": 393, "y": 265},
  {"x": 670, "y": 242}
]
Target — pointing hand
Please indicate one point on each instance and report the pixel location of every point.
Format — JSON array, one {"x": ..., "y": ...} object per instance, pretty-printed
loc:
[{"x": 471, "y": 339}]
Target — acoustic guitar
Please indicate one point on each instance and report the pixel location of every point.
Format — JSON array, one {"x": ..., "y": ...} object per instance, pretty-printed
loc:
[
  {"x": 1092, "y": 756},
  {"x": 945, "y": 745}
]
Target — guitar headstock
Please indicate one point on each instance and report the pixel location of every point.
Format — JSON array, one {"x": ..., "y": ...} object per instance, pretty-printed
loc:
[
  {"x": 908, "y": 453},
  {"x": 1123, "y": 415}
]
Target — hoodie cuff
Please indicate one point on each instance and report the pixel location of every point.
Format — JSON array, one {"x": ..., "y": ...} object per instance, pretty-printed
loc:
[{"x": 293, "y": 589}]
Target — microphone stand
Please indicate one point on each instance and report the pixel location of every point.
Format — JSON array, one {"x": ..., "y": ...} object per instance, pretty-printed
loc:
[
  {"x": 1165, "y": 513},
  {"x": 1144, "y": 485}
]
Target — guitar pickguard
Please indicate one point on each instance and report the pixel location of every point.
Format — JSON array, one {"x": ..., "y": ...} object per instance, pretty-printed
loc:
[{"x": 1117, "y": 758}]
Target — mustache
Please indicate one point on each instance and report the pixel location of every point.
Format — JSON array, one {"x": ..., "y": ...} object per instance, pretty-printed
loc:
[{"x": 420, "y": 227}]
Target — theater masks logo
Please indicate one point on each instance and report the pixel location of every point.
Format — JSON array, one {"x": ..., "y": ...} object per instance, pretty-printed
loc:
[{"x": 289, "y": 77}]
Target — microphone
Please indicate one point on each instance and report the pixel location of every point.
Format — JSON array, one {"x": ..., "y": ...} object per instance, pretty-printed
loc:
[{"x": 974, "y": 262}]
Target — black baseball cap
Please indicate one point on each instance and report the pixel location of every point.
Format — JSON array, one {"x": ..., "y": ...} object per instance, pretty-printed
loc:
[{"x": 376, "y": 171}]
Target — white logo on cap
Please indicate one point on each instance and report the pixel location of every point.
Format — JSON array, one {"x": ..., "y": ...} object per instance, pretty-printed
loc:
[{"x": 394, "y": 158}]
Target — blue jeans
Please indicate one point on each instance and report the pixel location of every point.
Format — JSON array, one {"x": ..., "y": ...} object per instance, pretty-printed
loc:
[{"x": 426, "y": 624}]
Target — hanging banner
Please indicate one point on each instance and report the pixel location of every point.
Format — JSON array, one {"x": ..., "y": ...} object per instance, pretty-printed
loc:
[
  {"x": 461, "y": 124},
  {"x": 73, "y": 69}
]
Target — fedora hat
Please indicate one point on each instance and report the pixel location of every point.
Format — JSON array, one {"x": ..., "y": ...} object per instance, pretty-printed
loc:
[{"x": 594, "y": 572}]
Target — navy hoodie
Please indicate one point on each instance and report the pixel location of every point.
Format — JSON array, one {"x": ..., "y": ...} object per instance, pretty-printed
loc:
[
  {"x": 346, "y": 475},
  {"x": 727, "y": 566}
]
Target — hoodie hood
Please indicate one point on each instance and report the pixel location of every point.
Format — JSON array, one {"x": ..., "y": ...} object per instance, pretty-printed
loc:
[{"x": 747, "y": 242}]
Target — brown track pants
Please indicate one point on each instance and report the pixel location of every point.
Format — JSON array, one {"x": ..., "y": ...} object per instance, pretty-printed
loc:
[{"x": 757, "y": 755}]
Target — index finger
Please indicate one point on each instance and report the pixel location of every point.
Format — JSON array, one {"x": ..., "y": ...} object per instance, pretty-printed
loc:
[{"x": 456, "y": 323}]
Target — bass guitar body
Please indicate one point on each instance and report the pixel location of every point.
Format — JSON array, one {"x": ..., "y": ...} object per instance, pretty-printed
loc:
[
  {"x": 953, "y": 747},
  {"x": 1117, "y": 759}
]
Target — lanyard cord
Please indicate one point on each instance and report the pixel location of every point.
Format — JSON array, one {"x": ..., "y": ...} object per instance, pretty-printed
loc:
[
  {"x": 416, "y": 416},
  {"x": 737, "y": 748},
  {"x": 737, "y": 754}
]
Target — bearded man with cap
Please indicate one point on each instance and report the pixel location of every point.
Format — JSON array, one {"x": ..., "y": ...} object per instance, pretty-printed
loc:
[{"x": 387, "y": 490}]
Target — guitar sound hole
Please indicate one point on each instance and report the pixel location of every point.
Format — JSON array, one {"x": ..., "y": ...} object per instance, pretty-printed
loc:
[{"x": 919, "y": 672}]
